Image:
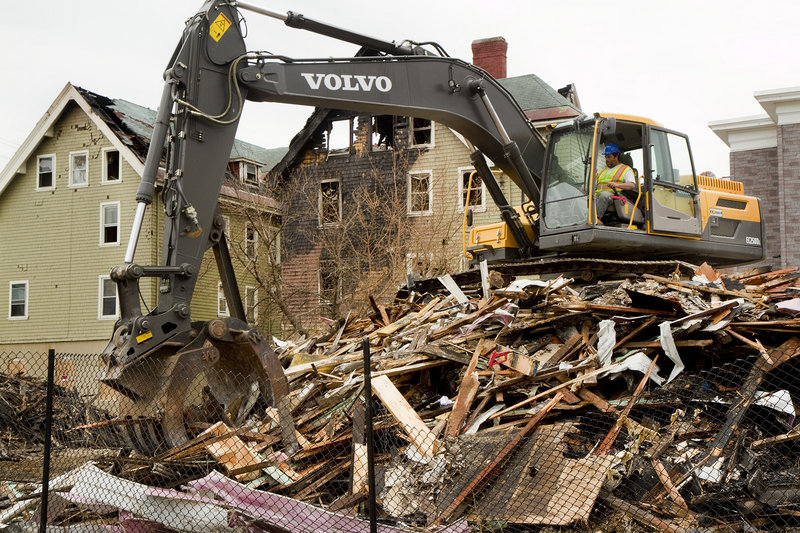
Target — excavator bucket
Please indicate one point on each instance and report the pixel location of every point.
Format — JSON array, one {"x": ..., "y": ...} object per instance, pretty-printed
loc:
[{"x": 226, "y": 372}]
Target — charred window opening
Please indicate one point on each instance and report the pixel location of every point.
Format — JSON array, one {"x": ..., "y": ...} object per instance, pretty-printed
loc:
[
  {"x": 339, "y": 137},
  {"x": 382, "y": 132},
  {"x": 421, "y": 131},
  {"x": 330, "y": 202}
]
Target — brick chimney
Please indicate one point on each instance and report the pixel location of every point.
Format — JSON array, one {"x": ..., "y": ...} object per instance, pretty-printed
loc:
[{"x": 490, "y": 55}]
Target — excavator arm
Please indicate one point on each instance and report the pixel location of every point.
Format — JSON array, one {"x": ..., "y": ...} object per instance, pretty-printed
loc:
[{"x": 208, "y": 80}]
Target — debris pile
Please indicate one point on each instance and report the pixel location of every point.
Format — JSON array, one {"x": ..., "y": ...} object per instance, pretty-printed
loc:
[
  {"x": 22, "y": 414},
  {"x": 512, "y": 403}
]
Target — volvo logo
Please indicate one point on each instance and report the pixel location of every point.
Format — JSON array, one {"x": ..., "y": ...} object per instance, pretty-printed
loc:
[{"x": 347, "y": 82}]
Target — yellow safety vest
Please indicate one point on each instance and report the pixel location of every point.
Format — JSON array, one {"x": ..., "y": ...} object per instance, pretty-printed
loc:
[{"x": 606, "y": 177}]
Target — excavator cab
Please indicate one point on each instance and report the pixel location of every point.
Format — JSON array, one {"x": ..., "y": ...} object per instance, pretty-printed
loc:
[{"x": 671, "y": 213}]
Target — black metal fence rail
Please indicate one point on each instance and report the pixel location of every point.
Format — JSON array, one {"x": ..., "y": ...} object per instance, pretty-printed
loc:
[{"x": 715, "y": 449}]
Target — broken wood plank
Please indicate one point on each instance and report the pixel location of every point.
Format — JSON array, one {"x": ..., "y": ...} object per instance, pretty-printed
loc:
[
  {"x": 456, "y": 325},
  {"x": 791, "y": 435},
  {"x": 702, "y": 288},
  {"x": 666, "y": 480},
  {"x": 608, "y": 441},
  {"x": 466, "y": 392},
  {"x": 450, "y": 284},
  {"x": 232, "y": 452},
  {"x": 641, "y": 515},
  {"x": 402, "y": 411}
]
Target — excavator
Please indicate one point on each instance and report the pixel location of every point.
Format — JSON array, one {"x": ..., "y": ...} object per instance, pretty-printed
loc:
[{"x": 156, "y": 359}]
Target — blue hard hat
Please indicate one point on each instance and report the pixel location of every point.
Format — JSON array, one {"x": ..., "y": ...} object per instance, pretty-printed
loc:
[{"x": 611, "y": 148}]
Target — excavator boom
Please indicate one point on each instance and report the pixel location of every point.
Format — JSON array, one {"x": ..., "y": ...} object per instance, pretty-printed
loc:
[{"x": 207, "y": 82}]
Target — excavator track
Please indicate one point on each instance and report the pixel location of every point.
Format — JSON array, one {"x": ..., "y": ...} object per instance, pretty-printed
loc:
[{"x": 589, "y": 269}]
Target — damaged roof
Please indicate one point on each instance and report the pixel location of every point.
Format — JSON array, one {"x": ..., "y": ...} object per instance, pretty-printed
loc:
[
  {"x": 134, "y": 125},
  {"x": 538, "y": 99},
  {"x": 127, "y": 126}
]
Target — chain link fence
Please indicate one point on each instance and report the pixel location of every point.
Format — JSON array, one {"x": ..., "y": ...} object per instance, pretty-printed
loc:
[{"x": 714, "y": 449}]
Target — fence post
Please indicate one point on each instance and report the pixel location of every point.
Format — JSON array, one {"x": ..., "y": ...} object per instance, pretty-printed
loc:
[
  {"x": 373, "y": 517},
  {"x": 48, "y": 423}
]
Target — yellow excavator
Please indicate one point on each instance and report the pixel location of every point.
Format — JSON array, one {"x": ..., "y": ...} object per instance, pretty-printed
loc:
[
  {"x": 156, "y": 358},
  {"x": 671, "y": 213}
]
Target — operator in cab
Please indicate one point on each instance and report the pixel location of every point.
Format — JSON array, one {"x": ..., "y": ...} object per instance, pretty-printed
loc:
[{"x": 616, "y": 176}]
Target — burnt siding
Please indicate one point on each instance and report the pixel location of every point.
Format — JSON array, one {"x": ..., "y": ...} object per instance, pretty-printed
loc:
[
  {"x": 302, "y": 252},
  {"x": 758, "y": 171}
]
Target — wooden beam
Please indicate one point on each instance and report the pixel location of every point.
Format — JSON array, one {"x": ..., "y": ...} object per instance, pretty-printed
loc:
[
  {"x": 402, "y": 411},
  {"x": 466, "y": 392}
]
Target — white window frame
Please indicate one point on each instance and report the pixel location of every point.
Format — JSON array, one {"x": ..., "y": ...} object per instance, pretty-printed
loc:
[
  {"x": 251, "y": 303},
  {"x": 410, "y": 203},
  {"x": 104, "y": 180},
  {"x": 476, "y": 208},
  {"x": 72, "y": 169},
  {"x": 411, "y": 130},
  {"x": 222, "y": 303},
  {"x": 53, "y": 172},
  {"x": 321, "y": 221},
  {"x": 275, "y": 248},
  {"x": 243, "y": 172},
  {"x": 251, "y": 256},
  {"x": 11, "y": 285},
  {"x": 103, "y": 207},
  {"x": 101, "y": 296}
]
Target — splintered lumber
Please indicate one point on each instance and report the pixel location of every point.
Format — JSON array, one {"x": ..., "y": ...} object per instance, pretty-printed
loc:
[
  {"x": 794, "y": 434},
  {"x": 548, "y": 392},
  {"x": 666, "y": 480},
  {"x": 700, "y": 288},
  {"x": 402, "y": 411},
  {"x": 232, "y": 452},
  {"x": 455, "y": 325},
  {"x": 767, "y": 362},
  {"x": 641, "y": 515},
  {"x": 608, "y": 441},
  {"x": 499, "y": 458},
  {"x": 466, "y": 393}
]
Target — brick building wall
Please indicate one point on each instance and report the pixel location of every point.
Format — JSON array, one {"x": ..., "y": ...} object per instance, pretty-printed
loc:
[
  {"x": 788, "y": 197},
  {"x": 758, "y": 171},
  {"x": 308, "y": 243},
  {"x": 765, "y": 155}
]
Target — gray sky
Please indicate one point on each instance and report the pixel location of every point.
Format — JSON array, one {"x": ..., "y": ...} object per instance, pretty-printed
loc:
[{"x": 681, "y": 63}]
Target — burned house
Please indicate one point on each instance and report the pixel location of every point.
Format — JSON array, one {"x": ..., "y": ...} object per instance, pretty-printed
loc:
[{"x": 369, "y": 199}]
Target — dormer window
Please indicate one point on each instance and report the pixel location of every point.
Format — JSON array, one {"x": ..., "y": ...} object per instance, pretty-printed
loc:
[{"x": 248, "y": 173}]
